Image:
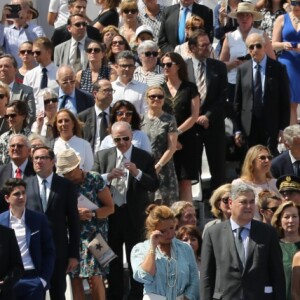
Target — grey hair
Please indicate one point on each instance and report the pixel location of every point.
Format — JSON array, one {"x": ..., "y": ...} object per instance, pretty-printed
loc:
[
  {"x": 257, "y": 35},
  {"x": 121, "y": 124},
  {"x": 49, "y": 92},
  {"x": 146, "y": 45},
  {"x": 24, "y": 137},
  {"x": 290, "y": 133},
  {"x": 62, "y": 67},
  {"x": 238, "y": 189},
  {"x": 127, "y": 54},
  {"x": 36, "y": 136}
]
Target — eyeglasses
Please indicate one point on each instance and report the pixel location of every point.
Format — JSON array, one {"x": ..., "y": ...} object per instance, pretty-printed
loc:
[
  {"x": 26, "y": 52},
  {"x": 272, "y": 209},
  {"x": 36, "y": 158},
  {"x": 265, "y": 157},
  {"x": 245, "y": 202},
  {"x": 114, "y": 43},
  {"x": 258, "y": 46},
  {"x": 91, "y": 50},
  {"x": 51, "y": 100},
  {"x": 153, "y": 97},
  {"x": 126, "y": 66},
  {"x": 203, "y": 46},
  {"x": 295, "y": 3},
  {"x": 70, "y": 81},
  {"x": 37, "y": 53},
  {"x": 121, "y": 138},
  {"x": 12, "y": 116},
  {"x": 168, "y": 64},
  {"x": 124, "y": 113},
  {"x": 151, "y": 53},
  {"x": 132, "y": 11},
  {"x": 107, "y": 91},
  {"x": 19, "y": 146},
  {"x": 79, "y": 24},
  {"x": 225, "y": 200},
  {"x": 2, "y": 96}
]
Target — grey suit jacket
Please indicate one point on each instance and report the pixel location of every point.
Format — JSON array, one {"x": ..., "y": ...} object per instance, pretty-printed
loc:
[
  {"x": 62, "y": 53},
  {"x": 221, "y": 274},
  {"x": 24, "y": 93}
]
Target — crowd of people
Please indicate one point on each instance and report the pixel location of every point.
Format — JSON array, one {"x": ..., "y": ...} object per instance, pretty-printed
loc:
[{"x": 102, "y": 131}]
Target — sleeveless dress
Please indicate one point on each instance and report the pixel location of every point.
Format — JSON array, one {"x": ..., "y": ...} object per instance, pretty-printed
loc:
[
  {"x": 291, "y": 59},
  {"x": 86, "y": 83}
]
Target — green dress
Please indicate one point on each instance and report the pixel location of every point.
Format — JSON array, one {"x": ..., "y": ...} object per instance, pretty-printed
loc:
[{"x": 288, "y": 252}]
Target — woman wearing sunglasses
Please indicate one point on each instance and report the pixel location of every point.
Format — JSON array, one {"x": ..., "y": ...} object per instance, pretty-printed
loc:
[
  {"x": 162, "y": 131},
  {"x": 286, "y": 39},
  {"x": 256, "y": 172},
  {"x": 286, "y": 221},
  {"x": 182, "y": 100},
  {"x": 16, "y": 116},
  {"x": 149, "y": 72},
  {"x": 125, "y": 111},
  {"x": 97, "y": 67},
  {"x": 4, "y": 99},
  {"x": 219, "y": 205},
  {"x": 45, "y": 119},
  {"x": 28, "y": 61}
]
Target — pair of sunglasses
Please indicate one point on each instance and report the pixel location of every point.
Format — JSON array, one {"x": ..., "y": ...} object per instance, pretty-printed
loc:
[{"x": 121, "y": 138}]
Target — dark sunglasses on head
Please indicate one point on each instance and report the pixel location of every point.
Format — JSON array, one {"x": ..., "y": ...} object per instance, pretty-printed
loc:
[
  {"x": 124, "y": 113},
  {"x": 168, "y": 64},
  {"x": 151, "y": 53},
  {"x": 2, "y": 96},
  {"x": 26, "y": 51},
  {"x": 265, "y": 157},
  {"x": 10, "y": 116},
  {"x": 258, "y": 46},
  {"x": 51, "y": 100},
  {"x": 295, "y": 3},
  {"x": 121, "y": 138},
  {"x": 272, "y": 209},
  {"x": 79, "y": 24},
  {"x": 91, "y": 50},
  {"x": 132, "y": 11},
  {"x": 225, "y": 200},
  {"x": 118, "y": 43},
  {"x": 37, "y": 53},
  {"x": 153, "y": 97}
]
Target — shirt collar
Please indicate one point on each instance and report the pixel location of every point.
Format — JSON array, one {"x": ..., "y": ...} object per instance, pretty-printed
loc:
[
  {"x": 262, "y": 63},
  {"x": 235, "y": 226},
  {"x": 190, "y": 7},
  {"x": 13, "y": 218},
  {"x": 98, "y": 110},
  {"x": 126, "y": 154},
  {"x": 61, "y": 93},
  {"x": 82, "y": 41},
  {"x": 21, "y": 167},
  {"x": 49, "y": 179}
]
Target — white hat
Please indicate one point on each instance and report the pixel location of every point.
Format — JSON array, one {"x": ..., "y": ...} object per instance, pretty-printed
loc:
[
  {"x": 143, "y": 28},
  {"x": 66, "y": 161}
]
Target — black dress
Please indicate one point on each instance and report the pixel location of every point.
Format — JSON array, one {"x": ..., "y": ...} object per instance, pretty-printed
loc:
[
  {"x": 180, "y": 106},
  {"x": 110, "y": 17}
]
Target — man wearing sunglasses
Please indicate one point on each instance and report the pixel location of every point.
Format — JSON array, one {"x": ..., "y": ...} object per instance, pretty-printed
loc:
[
  {"x": 262, "y": 98},
  {"x": 72, "y": 51},
  {"x": 134, "y": 169}
]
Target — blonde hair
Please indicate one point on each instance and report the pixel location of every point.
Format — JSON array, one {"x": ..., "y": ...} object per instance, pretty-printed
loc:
[
  {"x": 192, "y": 20},
  {"x": 216, "y": 198}
]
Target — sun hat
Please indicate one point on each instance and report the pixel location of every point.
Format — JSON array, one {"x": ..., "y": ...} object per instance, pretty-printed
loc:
[
  {"x": 35, "y": 13},
  {"x": 246, "y": 7},
  {"x": 66, "y": 161},
  {"x": 143, "y": 28}
]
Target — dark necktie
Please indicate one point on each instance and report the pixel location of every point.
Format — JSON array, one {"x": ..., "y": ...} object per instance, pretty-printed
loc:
[
  {"x": 296, "y": 167},
  {"x": 202, "y": 82},
  {"x": 44, "y": 81},
  {"x": 64, "y": 101},
  {"x": 18, "y": 173},
  {"x": 257, "y": 103},
  {"x": 44, "y": 194},
  {"x": 181, "y": 26},
  {"x": 103, "y": 126},
  {"x": 77, "y": 60},
  {"x": 240, "y": 246}
]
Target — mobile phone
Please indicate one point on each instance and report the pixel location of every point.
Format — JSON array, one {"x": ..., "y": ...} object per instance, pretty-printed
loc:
[
  {"x": 294, "y": 45},
  {"x": 245, "y": 57},
  {"x": 14, "y": 11}
]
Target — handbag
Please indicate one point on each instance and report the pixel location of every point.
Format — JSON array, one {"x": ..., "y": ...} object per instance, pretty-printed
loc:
[{"x": 101, "y": 251}]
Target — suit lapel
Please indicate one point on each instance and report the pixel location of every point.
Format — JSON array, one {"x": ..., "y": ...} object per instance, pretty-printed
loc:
[
  {"x": 228, "y": 235},
  {"x": 36, "y": 188},
  {"x": 28, "y": 228},
  {"x": 67, "y": 53}
]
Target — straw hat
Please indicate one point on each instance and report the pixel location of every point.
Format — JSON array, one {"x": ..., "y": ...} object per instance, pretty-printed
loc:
[
  {"x": 66, "y": 161},
  {"x": 35, "y": 13},
  {"x": 246, "y": 7}
]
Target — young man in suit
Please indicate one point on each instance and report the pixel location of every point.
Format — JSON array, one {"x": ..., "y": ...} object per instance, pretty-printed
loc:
[
  {"x": 59, "y": 203},
  {"x": 168, "y": 37},
  {"x": 126, "y": 225},
  {"x": 262, "y": 98},
  {"x": 11, "y": 263},
  {"x": 34, "y": 239},
  {"x": 213, "y": 94},
  {"x": 94, "y": 126},
  {"x": 241, "y": 257}
]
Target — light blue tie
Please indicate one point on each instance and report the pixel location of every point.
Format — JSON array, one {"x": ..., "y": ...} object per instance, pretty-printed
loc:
[{"x": 181, "y": 27}]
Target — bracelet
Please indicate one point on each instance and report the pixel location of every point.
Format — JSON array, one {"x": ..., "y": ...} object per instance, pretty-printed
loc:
[{"x": 151, "y": 251}]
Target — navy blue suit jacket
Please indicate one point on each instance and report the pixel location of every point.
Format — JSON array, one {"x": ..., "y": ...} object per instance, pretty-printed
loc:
[
  {"x": 40, "y": 242},
  {"x": 282, "y": 165},
  {"x": 84, "y": 100}
]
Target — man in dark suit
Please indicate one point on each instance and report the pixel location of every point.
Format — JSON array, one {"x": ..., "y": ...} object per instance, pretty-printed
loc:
[
  {"x": 20, "y": 165},
  {"x": 35, "y": 242},
  {"x": 134, "y": 169},
  {"x": 241, "y": 257},
  {"x": 19, "y": 91},
  {"x": 213, "y": 94},
  {"x": 11, "y": 263},
  {"x": 262, "y": 98},
  {"x": 70, "y": 97},
  {"x": 61, "y": 34},
  {"x": 168, "y": 34},
  {"x": 60, "y": 206},
  {"x": 288, "y": 162},
  {"x": 95, "y": 128}
]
